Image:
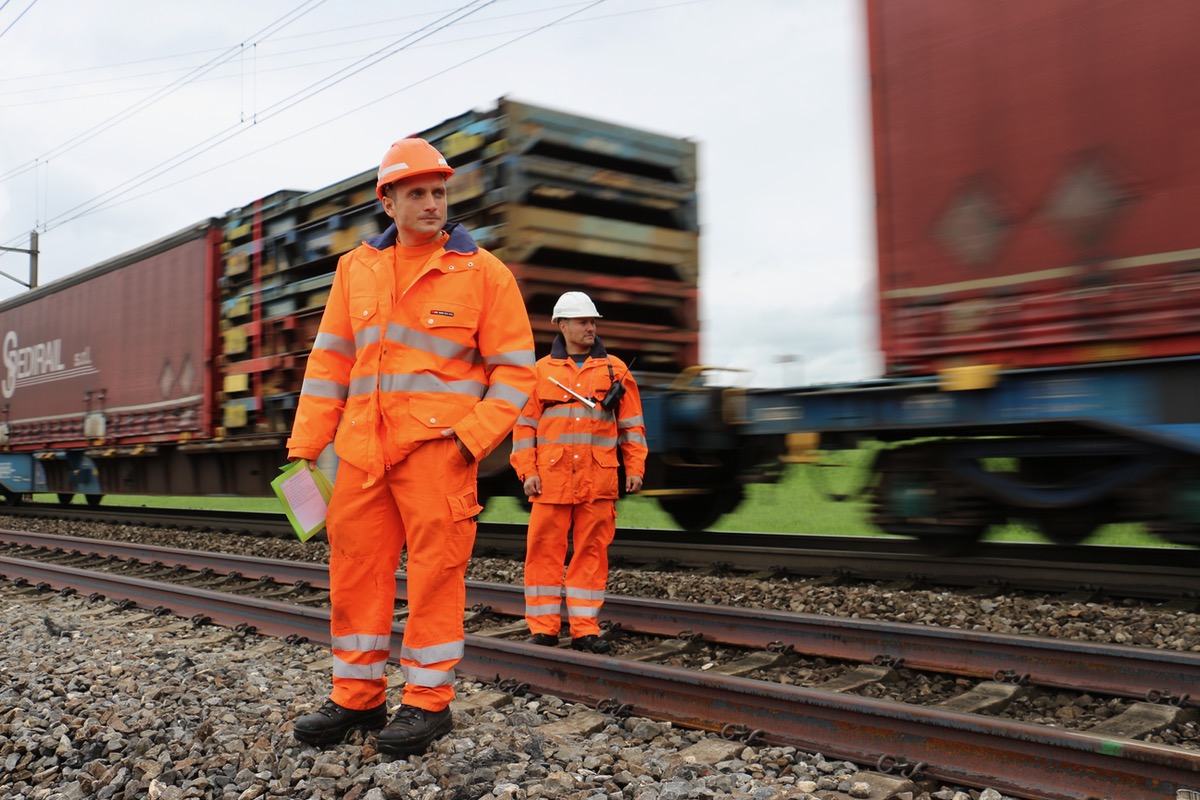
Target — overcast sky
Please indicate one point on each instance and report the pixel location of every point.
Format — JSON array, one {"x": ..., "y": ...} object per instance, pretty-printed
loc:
[{"x": 125, "y": 120}]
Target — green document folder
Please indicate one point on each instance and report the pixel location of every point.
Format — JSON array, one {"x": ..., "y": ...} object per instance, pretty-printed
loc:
[{"x": 304, "y": 494}]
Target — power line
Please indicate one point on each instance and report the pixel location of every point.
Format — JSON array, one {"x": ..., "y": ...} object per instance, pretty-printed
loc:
[
  {"x": 105, "y": 198},
  {"x": 170, "y": 88},
  {"x": 324, "y": 35},
  {"x": 32, "y": 3},
  {"x": 364, "y": 106},
  {"x": 110, "y": 198}
]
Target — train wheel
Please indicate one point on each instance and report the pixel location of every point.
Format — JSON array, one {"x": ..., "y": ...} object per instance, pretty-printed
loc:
[
  {"x": 915, "y": 496},
  {"x": 700, "y": 512}
]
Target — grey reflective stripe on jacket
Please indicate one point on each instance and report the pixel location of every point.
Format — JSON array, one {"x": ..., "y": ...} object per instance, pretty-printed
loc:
[{"x": 322, "y": 388}]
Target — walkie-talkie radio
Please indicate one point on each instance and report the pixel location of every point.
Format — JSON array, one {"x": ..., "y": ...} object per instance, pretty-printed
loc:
[{"x": 617, "y": 390}]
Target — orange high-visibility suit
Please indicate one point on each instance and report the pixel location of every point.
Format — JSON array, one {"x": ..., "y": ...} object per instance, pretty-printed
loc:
[
  {"x": 393, "y": 366},
  {"x": 573, "y": 449}
]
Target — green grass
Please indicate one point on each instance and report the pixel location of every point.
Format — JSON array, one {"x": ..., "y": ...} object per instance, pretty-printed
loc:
[{"x": 800, "y": 502}]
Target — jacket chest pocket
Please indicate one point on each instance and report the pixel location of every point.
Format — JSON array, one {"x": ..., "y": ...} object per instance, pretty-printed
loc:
[
  {"x": 364, "y": 310},
  {"x": 449, "y": 317},
  {"x": 550, "y": 394},
  {"x": 362, "y": 292}
]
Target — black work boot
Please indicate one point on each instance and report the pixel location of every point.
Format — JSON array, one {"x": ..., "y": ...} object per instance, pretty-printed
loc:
[
  {"x": 330, "y": 723},
  {"x": 413, "y": 729},
  {"x": 544, "y": 639},
  {"x": 591, "y": 644}
]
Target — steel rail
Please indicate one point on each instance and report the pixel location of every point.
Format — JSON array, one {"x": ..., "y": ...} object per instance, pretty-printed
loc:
[
  {"x": 1030, "y": 760},
  {"x": 1151, "y": 572},
  {"x": 1118, "y": 670}
]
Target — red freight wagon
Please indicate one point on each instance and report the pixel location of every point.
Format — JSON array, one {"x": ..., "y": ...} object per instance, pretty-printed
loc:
[
  {"x": 1038, "y": 178},
  {"x": 116, "y": 354},
  {"x": 112, "y": 361}
]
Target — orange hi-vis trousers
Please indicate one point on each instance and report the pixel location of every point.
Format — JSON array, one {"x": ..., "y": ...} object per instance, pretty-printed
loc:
[
  {"x": 427, "y": 504},
  {"x": 592, "y": 527}
]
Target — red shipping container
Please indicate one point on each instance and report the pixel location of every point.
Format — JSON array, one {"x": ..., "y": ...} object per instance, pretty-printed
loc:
[
  {"x": 117, "y": 354},
  {"x": 1037, "y": 180}
]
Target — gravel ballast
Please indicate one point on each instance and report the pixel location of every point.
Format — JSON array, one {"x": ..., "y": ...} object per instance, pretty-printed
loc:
[{"x": 100, "y": 702}]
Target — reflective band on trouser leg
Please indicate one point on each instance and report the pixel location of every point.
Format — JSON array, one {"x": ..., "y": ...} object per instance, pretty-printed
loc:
[
  {"x": 587, "y": 574},
  {"x": 434, "y": 489},
  {"x": 545, "y": 552},
  {"x": 365, "y": 537}
]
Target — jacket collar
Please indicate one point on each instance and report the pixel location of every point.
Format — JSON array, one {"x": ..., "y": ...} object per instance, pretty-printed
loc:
[
  {"x": 459, "y": 242},
  {"x": 558, "y": 349}
]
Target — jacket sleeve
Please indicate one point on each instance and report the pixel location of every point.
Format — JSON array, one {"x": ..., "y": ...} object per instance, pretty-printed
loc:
[
  {"x": 326, "y": 375},
  {"x": 505, "y": 342},
  {"x": 631, "y": 428},
  {"x": 524, "y": 443}
]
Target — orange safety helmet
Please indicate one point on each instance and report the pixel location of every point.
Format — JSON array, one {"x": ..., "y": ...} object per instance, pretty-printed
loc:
[{"x": 409, "y": 157}]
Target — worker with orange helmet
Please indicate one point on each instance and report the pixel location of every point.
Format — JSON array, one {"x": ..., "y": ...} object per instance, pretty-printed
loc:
[
  {"x": 585, "y": 409},
  {"x": 421, "y": 365}
]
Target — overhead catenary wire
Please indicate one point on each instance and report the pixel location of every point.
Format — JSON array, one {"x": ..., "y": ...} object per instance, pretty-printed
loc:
[
  {"x": 113, "y": 196},
  {"x": 327, "y": 41},
  {"x": 364, "y": 106},
  {"x": 279, "y": 24},
  {"x": 104, "y": 198},
  {"x": 99, "y": 202},
  {"x": 32, "y": 3}
]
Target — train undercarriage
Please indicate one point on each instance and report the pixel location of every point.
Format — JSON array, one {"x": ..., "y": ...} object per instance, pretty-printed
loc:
[{"x": 953, "y": 491}]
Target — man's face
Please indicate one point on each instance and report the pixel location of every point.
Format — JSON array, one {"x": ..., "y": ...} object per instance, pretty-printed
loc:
[
  {"x": 579, "y": 333},
  {"x": 418, "y": 207}
]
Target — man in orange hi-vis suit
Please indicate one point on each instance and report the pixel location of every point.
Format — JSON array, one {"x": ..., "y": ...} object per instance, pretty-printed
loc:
[
  {"x": 565, "y": 444},
  {"x": 421, "y": 365}
]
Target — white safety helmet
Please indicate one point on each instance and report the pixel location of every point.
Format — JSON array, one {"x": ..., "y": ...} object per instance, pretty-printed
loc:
[{"x": 573, "y": 305}]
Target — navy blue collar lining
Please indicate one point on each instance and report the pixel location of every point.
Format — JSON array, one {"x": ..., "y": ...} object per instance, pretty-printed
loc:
[{"x": 460, "y": 240}]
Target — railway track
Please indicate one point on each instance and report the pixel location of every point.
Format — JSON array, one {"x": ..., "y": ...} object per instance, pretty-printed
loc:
[
  {"x": 1137, "y": 572},
  {"x": 724, "y": 645}
]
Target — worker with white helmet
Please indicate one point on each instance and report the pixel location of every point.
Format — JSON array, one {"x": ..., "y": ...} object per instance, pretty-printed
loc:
[
  {"x": 585, "y": 409},
  {"x": 422, "y": 362}
]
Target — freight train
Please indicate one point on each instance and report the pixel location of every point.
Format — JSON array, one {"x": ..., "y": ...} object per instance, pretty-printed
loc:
[
  {"x": 175, "y": 369},
  {"x": 1036, "y": 181},
  {"x": 1038, "y": 291}
]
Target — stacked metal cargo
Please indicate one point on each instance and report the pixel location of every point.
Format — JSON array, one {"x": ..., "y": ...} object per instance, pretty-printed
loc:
[
  {"x": 572, "y": 203},
  {"x": 569, "y": 203},
  {"x": 279, "y": 256}
]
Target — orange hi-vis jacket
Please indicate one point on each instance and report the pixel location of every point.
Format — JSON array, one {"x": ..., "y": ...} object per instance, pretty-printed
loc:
[
  {"x": 572, "y": 448},
  {"x": 392, "y": 366}
]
